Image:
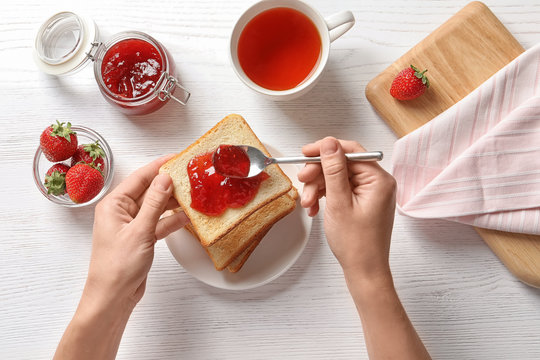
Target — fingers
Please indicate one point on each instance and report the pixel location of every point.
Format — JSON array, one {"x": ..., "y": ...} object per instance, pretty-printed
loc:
[
  {"x": 333, "y": 177},
  {"x": 348, "y": 146},
  {"x": 313, "y": 210},
  {"x": 351, "y": 146},
  {"x": 336, "y": 173},
  {"x": 309, "y": 173},
  {"x": 171, "y": 204},
  {"x": 313, "y": 179},
  {"x": 310, "y": 195},
  {"x": 137, "y": 183},
  {"x": 155, "y": 202},
  {"x": 170, "y": 224},
  {"x": 312, "y": 149}
]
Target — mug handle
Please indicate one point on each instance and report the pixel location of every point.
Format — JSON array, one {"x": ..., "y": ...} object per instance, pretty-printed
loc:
[{"x": 338, "y": 24}]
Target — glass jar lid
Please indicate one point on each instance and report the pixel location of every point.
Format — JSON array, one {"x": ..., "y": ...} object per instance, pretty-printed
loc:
[{"x": 65, "y": 43}]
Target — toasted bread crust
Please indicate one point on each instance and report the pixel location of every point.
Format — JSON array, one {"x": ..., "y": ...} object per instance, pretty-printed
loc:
[
  {"x": 224, "y": 251},
  {"x": 233, "y": 129},
  {"x": 227, "y": 249},
  {"x": 239, "y": 261},
  {"x": 237, "y": 246}
]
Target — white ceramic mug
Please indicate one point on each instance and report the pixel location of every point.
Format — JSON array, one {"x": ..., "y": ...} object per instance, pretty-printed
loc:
[{"x": 329, "y": 29}]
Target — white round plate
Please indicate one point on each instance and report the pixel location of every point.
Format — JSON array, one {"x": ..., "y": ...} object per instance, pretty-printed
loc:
[{"x": 275, "y": 254}]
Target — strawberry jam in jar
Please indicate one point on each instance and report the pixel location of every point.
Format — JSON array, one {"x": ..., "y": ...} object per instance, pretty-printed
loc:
[
  {"x": 134, "y": 72},
  {"x": 131, "y": 68}
]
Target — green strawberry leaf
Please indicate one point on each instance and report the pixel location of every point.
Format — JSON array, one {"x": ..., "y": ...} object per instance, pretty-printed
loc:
[
  {"x": 60, "y": 130},
  {"x": 421, "y": 75},
  {"x": 56, "y": 183},
  {"x": 94, "y": 150}
]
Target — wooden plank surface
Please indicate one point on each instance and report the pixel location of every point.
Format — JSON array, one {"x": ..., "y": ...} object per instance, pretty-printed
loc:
[
  {"x": 460, "y": 297},
  {"x": 461, "y": 54}
]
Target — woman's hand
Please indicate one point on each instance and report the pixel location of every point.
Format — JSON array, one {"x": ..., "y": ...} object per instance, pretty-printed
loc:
[
  {"x": 358, "y": 220},
  {"x": 127, "y": 224},
  {"x": 360, "y": 204}
]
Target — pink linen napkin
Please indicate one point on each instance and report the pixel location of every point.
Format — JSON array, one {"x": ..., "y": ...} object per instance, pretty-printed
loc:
[{"x": 478, "y": 163}]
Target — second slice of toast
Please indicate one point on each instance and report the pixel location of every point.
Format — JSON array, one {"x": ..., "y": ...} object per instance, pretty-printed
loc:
[
  {"x": 235, "y": 242},
  {"x": 241, "y": 259},
  {"x": 233, "y": 249},
  {"x": 236, "y": 264}
]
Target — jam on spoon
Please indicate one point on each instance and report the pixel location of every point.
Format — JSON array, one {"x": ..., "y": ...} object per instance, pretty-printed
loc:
[
  {"x": 211, "y": 192},
  {"x": 231, "y": 161}
]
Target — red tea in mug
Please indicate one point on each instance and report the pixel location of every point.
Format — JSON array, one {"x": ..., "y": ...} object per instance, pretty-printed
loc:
[{"x": 279, "y": 48}]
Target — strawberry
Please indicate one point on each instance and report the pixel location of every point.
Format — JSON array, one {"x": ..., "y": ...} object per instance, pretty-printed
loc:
[
  {"x": 83, "y": 182},
  {"x": 90, "y": 154},
  {"x": 409, "y": 84},
  {"x": 58, "y": 142},
  {"x": 55, "y": 179}
]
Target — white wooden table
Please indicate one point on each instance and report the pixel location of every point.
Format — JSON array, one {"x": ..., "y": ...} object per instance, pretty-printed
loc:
[{"x": 462, "y": 300}]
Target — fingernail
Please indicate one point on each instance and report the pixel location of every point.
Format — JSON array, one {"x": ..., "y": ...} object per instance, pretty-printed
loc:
[
  {"x": 162, "y": 182},
  {"x": 329, "y": 147},
  {"x": 303, "y": 199}
]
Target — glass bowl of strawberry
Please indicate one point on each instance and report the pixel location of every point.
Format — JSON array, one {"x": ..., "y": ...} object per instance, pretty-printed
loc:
[{"x": 73, "y": 165}]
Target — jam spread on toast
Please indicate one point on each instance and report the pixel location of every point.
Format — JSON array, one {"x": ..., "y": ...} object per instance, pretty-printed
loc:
[{"x": 212, "y": 193}]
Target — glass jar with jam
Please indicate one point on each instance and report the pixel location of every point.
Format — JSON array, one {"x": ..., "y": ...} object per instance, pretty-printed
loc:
[{"x": 134, "y": 72}]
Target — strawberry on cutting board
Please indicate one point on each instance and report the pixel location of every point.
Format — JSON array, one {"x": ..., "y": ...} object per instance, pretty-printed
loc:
[
  {"x": 90, "y": 154},
  {"x": 55, "y": 179},
  {"x": 409, "y": 84},
  {"x": 83, "y": 182},
  {"x": 58, "y": 142}
]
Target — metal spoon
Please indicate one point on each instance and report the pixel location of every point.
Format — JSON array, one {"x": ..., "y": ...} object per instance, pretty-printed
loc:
[{"x": 258, "y": 161}]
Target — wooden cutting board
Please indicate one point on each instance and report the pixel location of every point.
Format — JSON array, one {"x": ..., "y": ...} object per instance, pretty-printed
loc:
[{"x": 460, "y": 55}]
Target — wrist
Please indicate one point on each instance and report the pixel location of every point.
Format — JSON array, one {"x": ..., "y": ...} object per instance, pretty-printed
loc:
[
  {"x": 102, "y": 293},
  {"x": 99, "y": 303},
  {"x": 100, "y": 322},
  {"x": 97, "y": 326},
  {"x": 374, "y": 270},
  {"x": 366, "y": 285},
  {"x": 103, "y": 315}
]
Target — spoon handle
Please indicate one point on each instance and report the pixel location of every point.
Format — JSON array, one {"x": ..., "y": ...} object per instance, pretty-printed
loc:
[{"x": 362, "y": 156}]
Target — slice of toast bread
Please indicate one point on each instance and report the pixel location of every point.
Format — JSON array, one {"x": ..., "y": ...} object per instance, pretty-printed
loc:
[
  {"x": 239, "y": 261},
  {"x": 232, "y": 130},
  {"x": 234, "y": 243}
]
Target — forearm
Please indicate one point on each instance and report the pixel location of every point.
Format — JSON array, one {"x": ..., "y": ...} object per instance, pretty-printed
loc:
[
  {"x": 95, "y": 330},
  {"x": 388, "y": 332}
]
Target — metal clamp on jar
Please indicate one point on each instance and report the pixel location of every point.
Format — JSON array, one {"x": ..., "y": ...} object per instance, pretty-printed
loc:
[{"x": 132, "y": 69}]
